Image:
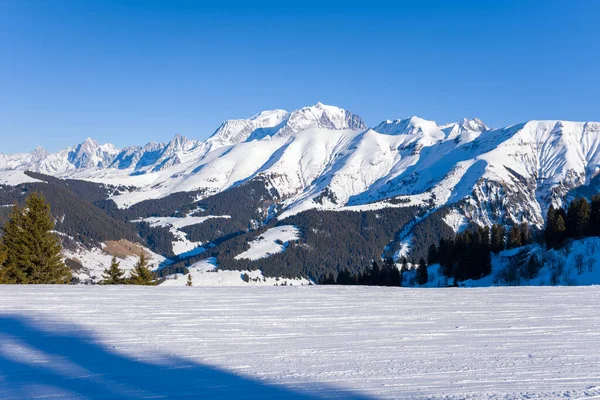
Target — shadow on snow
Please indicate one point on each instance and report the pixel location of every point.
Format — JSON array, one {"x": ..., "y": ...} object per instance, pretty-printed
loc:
[{"x": 66, "y": 363}]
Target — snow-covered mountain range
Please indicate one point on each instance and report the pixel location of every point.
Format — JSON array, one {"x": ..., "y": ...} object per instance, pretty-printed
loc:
[{"x": 326, "y": 157}]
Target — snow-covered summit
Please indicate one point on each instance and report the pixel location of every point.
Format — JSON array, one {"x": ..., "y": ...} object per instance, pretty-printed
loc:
[
  {"x": 280, "y": 123},
  {"x": 323, "y": 156},
  {"x": 90, "y": 154}
]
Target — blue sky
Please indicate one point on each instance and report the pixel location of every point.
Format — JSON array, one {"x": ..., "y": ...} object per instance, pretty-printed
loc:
[{"x": 129, "y": 72}]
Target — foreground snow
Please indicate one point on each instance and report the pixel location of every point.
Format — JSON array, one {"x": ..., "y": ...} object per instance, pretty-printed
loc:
[{"x": 299, "y": 342}]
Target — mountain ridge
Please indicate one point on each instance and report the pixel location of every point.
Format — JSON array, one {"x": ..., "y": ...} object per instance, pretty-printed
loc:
[{"x": 326, "y": 157}]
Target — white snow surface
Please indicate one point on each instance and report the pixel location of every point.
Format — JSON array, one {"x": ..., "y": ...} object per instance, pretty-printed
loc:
[
  {"x": 206, "y": 273},
  {"x": 266, "y": 245},
  {"x": 455, "y": 220},
  {"x": 15, "y": 178},
  {"x": 310, "y": 342}
]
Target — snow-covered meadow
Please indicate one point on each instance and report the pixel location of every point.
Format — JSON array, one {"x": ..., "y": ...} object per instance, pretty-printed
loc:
[{"x": 299, "y": 342}]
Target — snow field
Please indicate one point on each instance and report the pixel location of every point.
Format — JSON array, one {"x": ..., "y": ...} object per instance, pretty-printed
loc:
[
  {"x": 274, "y": 240},
  {"x": 206, "y": 273},
  {"x": 322, "y": 342}
]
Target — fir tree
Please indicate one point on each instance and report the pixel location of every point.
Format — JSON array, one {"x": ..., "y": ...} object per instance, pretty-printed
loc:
[
  {"x": 560, "y": 230},
  {"x": 525, "y": 233},
  {"x": 2, "y": 260},
  {"x": 404, "y": 265},
  {"x": 432, "y": 254},
  {"x": 391, "y": 275},
  {"x": 549, "y": 234},
  {"x": 141, "y": 274},
  {"x": 189, "y": 280},
  {"x": 498, "y": 238},
  {"x": 421, "y": 275},
  {"x": 114, "y": 274},
  {"x": 33, "y": 251},
  {"x": 595, "y": 216},
  {"x": 578, "y": 218},
  {"x": 514, "y": 237}
]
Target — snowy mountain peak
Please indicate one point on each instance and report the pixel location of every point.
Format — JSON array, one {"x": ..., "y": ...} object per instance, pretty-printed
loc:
[
  {"x": 280, "y": 123},
  {"x": 39, "y": 153},
  {"x": 321, "y": 116},
  {"x": 89, "y": 154},
  {"x": 410, "y": 126},
  {"x": 181, "y": 143}
]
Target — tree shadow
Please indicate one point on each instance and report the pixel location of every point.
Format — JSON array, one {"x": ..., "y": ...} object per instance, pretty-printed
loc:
[{"x": 68, "y": 362}]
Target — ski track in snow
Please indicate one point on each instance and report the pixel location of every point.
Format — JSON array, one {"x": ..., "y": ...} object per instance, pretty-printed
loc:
[{"x": 299, "y": 342}]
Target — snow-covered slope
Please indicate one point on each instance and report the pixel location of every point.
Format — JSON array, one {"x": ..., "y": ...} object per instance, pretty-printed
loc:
[
  {"x": 272, "y": 241},
  {"x": 206, "y": 273},
  {"x": 298, "y": 343},
  {"x": 325, "y": 157}
]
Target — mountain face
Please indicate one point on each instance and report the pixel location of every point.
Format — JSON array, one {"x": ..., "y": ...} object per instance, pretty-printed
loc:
[{"x": 326, "y": 158}]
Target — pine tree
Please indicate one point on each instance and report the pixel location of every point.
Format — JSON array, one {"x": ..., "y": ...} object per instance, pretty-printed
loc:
[
  {"x": 549, "y": 233},
  {"x": 391, "y": 275},
  {"x": 12, "y": 268},
  {"x": 404, "y": 265},
  {"x": 514, "y": 237},
  {"x": 432, "y": 254},
  {"x": 578, "y": 218},
  {"x": 421, "y": 275},
  {"x": 525, "y": 233},
  {"x": 498, "y": 238},
  {"x": 33, "y": 251},
  {"x": 560, "y": 230},
  {"x": 141, "y": 274},
  {"x": 189, "y": 280},
  {"x": 595, "y": 216},
  {"x": 114, "y": 274},
  {"x": 2, "y": 260}
]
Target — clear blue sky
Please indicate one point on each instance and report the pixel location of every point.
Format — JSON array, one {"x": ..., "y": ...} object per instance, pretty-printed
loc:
[{"x": 129, "y": 72}]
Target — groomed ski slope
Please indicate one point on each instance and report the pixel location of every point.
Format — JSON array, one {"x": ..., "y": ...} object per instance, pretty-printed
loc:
[{"x": 299, "y": 342}]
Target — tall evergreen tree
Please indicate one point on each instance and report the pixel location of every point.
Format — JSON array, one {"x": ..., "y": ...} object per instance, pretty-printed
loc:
[
  {"x": 141, "y": 274},
  {"x": 114, "y": 274},
  {"x": 432, "y": 254},
  {"x": 391, "y": 274},
  {"x": 514, "y": 237},
  {"x": 404, "y": 264},
  {"x": 595, "y": 216},
  {"x": 560, "y": 230},
  {"x": 2, "y": 260},
  {"x": 12, "y": 268},
  {"x": 525, "y": 232},
  {"x": 578, "y": 218},
  {"x": 549, "y": 232},
  {"x": 422, "y": 275},
  {"x": 33, "y": 251},
  {"x": 498, "y": 238}
]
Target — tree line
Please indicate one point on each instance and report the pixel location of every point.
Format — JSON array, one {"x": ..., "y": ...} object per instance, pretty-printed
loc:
[
  {"x": 31, "y": 252},
  {"x": 580, "y": 219}
]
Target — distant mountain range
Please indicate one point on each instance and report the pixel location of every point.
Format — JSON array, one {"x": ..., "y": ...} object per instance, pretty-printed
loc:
[{"x": 326, "y": 158}]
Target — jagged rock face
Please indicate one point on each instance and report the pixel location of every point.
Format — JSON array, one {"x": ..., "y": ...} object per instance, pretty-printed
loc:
[
  {"x": 91, "y": 155},
  {"x": 326, "y": 157}
]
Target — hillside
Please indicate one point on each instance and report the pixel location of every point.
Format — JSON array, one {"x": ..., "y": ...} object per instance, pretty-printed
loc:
[{"x": 317, "y": 168}]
